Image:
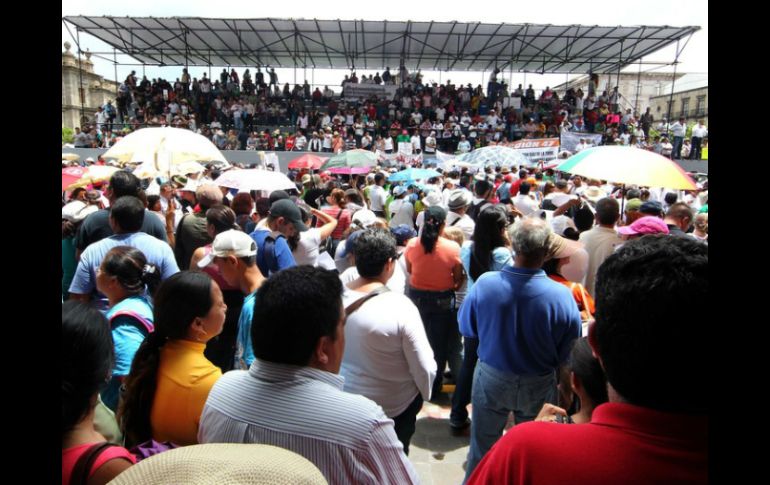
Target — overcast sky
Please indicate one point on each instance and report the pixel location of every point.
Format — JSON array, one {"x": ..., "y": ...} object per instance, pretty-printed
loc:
[{"x": 694, "y": 58}]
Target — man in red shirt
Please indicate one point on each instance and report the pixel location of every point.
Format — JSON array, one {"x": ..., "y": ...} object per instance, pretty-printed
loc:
[
  {"x": 517, "y": 183},
  {"x": 652, "y": 348}
]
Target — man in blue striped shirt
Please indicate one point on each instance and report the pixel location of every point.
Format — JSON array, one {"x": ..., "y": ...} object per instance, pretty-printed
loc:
[{"x": 292, "y": 397}]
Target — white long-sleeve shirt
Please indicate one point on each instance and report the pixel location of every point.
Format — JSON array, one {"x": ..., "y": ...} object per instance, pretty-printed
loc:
[{"x": 387, "y": 354}]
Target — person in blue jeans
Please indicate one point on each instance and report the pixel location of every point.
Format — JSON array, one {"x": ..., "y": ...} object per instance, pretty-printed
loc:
[
  {"x": 436, "y": 273},
  {"x": 525, "y": 323},
  {"x": 490, "y": 250}
]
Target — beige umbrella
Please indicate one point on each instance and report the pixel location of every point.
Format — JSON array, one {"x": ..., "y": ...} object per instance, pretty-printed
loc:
[
  {"x": 70, "y": 157},
  {"x": 164, "y": 148},
  {"x": 92, "y": 175}
]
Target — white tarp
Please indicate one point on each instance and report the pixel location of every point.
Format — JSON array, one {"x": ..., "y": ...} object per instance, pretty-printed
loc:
[
  {"x": 354, "y": 91},
  {"x": 571, "y": 139}
]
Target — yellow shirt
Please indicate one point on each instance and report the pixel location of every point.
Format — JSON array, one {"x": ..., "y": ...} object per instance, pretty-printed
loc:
[{"x": 185, "y": 378}]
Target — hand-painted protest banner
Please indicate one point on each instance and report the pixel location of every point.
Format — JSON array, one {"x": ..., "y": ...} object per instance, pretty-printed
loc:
[
  {"x": 353, "y": 91},
  {"x": 571, "y": 139},
  {"x": 537, "y": 149}
]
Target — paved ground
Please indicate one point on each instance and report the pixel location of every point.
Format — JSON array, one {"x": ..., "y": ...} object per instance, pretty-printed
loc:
[{"x": 438, "y": 456}]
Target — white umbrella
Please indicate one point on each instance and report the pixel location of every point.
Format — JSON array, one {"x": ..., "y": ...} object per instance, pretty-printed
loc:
[
  {"x": 255, "y": 179},
  {"x": 148, "y": 170},
  {"x": 164, "y": 148}
]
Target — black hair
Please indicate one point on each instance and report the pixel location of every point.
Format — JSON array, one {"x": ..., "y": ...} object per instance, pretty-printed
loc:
[
  {"x": 607, "y": 211},
  {"x": 222, "y": 218},
  {"x": 262, "y": 207},
  {"x": 87, "y": 357},
  {"x": 431, "y": 230},
  {"x": 487, "y": 235},
  {"x": 633, "y": 194},
  {"x": 152, "y": 200},
  {"x": 524, "y": 188},
  {"x": 670, "y": 198},
  {"x": 76, "y": 192},
  {"x": 378, "y": 178},
  {"x": 128, "y": 213},
  {"x": 373, "y": 249},
  {"x": 587, "y": 368},
  {"x": 651, "y": 342},
  {"x": 178, "y": 301},
  {"x": 124, "y": 183},
  {"x": 294, "y": 308},
  {"x": 481, "y": 188},
  {"x": 129, "y": 265},
  {"x": 680, "y": 210}
]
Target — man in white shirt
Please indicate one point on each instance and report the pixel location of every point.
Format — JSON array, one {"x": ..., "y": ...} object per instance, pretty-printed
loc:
[
  {"x": 492, "y": 119},
  {"x": 416, "y": 142},
  {"x": 699, "y": 132},
  {"x": 326, "y": 144},
  {"x": 440, "y": 113},
  {"x": 458, "y": 203},
  {"x": 299, "y": 142},
  {"x": 464, "y": 146},
  {"x": 678, "y": 129},
  {"x": 388, "y": 358},
  {"x": 600, "y": 241},
  {"x": 299, "y": 343},
  {"x": 524, "y": 202},
  {"x": 401, "y": 210},
  {"x": 377, "y": 196},
  {"x": 430, "y": 143}
]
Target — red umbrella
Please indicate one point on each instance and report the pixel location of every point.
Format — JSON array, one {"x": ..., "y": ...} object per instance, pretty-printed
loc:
[
  {"x": 307, "y": 161},
  {"x": 70, "y": 175}
]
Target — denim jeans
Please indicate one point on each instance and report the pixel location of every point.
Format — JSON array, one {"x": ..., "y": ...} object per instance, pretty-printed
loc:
[
  {"x": 676, "y": 153},
  {"x": 495, "y": 394},
  {"x": 440, "y": 320},
  {"x": 464, "y": 383}
]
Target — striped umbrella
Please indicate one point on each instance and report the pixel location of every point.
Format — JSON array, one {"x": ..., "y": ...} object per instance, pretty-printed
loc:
[{"x": 628, "y": 165}]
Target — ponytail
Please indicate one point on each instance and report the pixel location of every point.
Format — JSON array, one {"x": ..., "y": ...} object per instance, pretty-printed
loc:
[
  {"x": 430, "y": 233},
  {"x": 151, "y": 278},
  {"x": 139, "y": 393}
]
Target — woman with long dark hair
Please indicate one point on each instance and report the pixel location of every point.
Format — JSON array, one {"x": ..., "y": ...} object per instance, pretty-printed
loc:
[
  {"x": 86, "y": 360},
  {"x": 336, "y": 207},
  {"x": 221, "y": 350},
  {"x": 490, "y": 250},
  {"x": 170, "y": 378},
  {"x": 436, "y": 273},
  {"x": 126, "y": 279}
]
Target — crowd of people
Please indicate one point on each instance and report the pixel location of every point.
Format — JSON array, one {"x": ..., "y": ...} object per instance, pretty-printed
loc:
[
  {"x": 320, "y": 320},
  {"x": 254, "y": 113}
]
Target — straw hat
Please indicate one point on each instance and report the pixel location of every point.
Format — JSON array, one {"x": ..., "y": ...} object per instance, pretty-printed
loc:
[{"x": 223, "y": 464}]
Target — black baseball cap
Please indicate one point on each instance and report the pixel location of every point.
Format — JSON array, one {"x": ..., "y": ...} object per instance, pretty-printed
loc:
[{"x": 287, "y": 209}]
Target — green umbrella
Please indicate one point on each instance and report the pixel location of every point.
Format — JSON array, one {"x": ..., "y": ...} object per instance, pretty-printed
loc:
[{"x": 351, "y": 158}]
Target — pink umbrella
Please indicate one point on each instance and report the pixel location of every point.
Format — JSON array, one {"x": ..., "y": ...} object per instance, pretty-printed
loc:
[
  {"x": 70, "y": 175},
  {"x": 349, "y": 170}
]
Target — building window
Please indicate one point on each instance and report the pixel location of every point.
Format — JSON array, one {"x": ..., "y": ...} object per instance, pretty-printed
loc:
[
  {"x": 685, "y": 106},
  {"x": 700, "y": 106}
]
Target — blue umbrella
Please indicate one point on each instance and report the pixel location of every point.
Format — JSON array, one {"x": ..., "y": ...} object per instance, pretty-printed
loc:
[{"x": 411, "y": 174}]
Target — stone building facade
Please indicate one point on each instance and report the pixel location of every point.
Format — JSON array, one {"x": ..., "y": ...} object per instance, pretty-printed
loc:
[{"x": 94, "y": 91}]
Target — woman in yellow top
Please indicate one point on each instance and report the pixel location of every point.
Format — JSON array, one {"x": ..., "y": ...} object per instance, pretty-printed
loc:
[
  {"x": 170, "y": 377},
  {"x": 436, "y": 273}
]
